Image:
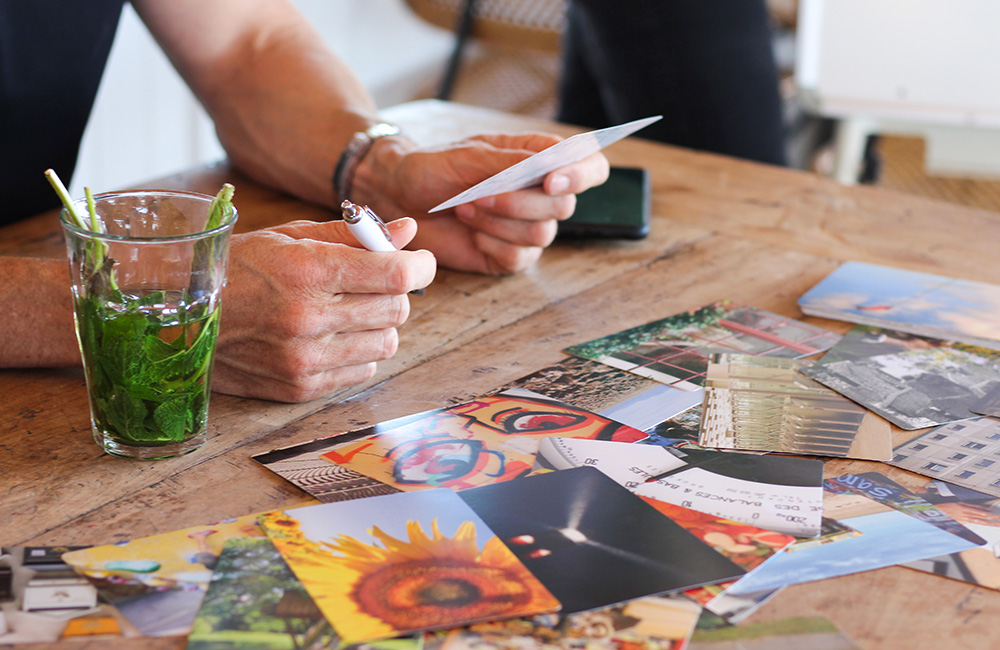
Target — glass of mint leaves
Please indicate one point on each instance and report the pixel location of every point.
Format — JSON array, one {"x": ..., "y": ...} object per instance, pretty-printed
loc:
[{"x": 147, "y": 269}]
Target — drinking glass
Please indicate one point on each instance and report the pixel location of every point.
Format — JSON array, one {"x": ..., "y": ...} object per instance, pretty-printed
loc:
[{"x": 147, "y": 278}]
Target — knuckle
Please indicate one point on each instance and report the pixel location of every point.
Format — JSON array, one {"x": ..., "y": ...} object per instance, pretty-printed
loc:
[
  {"x": 295, "y": 366},
  {"x": 514, "y": 260},
  {"x": 399, "y": 310},
  {"x": 399, "y": 281},
  {"x": 564, "y": 206},
  {"x": 388, "y": 345},
  {"x": 542, "y": 233},
  {"x": 297, "y": 321}
]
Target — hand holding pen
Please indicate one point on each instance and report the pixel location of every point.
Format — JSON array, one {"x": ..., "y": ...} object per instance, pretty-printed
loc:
[{"x": 369, "y": 230}]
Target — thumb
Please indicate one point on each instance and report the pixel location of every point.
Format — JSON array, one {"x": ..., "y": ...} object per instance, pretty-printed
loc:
[
  {"x": 401, "y": 231},
  {"x": 334, "y": 231}
]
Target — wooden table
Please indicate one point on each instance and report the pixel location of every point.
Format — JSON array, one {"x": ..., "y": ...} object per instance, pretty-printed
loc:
[{"x": 722, "y": 229}]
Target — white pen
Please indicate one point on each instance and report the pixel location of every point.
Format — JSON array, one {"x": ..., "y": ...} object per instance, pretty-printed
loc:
[
  {"x": 369, "y": 230},
  {"x": 365, "y": 225}
]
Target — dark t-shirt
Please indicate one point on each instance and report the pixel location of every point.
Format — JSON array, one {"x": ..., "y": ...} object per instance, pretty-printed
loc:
[{"x": 52, "y": 56}]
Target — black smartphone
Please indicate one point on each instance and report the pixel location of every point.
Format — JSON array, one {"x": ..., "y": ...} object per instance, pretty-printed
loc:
[{"x": 617, "y": 209}]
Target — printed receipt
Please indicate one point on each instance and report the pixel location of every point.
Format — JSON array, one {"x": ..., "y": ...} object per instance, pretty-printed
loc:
[{"x": 791, "y": 509}]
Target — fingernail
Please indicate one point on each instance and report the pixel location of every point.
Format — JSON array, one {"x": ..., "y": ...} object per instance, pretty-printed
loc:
[
  {"x": 465, "y": 211},
  {"x": 558, "y": 184},
  {"x": 397, "y": 224}
]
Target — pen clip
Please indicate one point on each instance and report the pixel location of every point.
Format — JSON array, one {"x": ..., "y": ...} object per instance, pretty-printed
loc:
[{"x": 354, "y": 213}]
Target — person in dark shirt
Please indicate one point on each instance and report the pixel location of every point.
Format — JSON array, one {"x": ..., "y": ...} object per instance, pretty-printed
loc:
[
  {"x": 285, "y": 109},
  {"x": 707, "y": 67}
]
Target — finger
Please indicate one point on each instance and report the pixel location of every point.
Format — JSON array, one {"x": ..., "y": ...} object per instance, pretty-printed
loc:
[
  {"x": 528, "y": 205},
  {"x": 401, "y": 231},
  {"x": 577, "y": 177},
  {"x": 338, "y": 268},
  {"x": 233, "y": 382},
  {"x": 503, "y": 257},
  {"x": 531, "y": 142},
  {"x": 339, "y": 313},
  {"x": 337, "y": 350},
  {"x": 360, "y": 271},
  {"x": 519, "y": 232},
  {"x": 304, "y": 370},
  {"x": 480, "y": 157},
  {"x": 334, "y": 232},
  {"x": 328, "y": 256},
  {"x": 569, "y": 179}
]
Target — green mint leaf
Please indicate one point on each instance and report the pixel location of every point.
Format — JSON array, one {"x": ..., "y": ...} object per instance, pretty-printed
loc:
[
  {"x": 126, "y": 413},
  {"x": 172, "y": 417}
]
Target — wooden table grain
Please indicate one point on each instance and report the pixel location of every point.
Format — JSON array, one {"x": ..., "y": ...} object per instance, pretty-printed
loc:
[{"x": 722, "y": 229}]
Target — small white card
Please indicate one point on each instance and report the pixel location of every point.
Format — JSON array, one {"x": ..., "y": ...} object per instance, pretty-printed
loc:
[{"x": 531, "y": 171}]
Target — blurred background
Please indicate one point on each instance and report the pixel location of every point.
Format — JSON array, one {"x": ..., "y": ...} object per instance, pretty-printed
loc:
[{"x": 902, "y": 94}]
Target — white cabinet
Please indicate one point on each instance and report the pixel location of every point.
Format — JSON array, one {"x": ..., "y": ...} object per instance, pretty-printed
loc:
[{"x": 922, "y": 67}]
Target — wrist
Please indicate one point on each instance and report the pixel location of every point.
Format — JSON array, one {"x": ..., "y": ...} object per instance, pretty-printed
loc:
[
  {"x": 375, "y": 171},
  {"x": 355, "y": 153}
]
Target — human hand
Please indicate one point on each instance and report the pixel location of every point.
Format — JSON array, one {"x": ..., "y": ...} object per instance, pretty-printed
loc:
[
  {"x": 308, "y": 312},
  {"x": 500, "y": 234}
]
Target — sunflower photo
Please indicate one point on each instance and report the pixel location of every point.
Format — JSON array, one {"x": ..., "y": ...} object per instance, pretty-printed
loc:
[{"x": 390, "y": 565}]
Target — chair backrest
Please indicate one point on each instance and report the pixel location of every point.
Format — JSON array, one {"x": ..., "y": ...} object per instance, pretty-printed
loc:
[{"x": 534, "y": 24}]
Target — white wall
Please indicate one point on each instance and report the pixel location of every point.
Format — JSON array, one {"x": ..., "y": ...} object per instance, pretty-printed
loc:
[{"x": 147, "y": 124}]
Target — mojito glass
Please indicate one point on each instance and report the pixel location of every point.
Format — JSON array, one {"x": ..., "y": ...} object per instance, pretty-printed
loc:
[{"x": 147, "y": 278}]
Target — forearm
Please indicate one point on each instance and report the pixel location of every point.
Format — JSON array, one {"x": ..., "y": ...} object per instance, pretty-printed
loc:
[
  {"x": 283, "y": 104},
  {"x": 38, "y": 328}
]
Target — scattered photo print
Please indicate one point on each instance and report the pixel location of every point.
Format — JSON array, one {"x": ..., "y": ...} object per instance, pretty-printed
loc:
[
  {"x": 830, "y": 531},
  {"x": 42, "y": 600},
  {"x": 729, "y": 609},
  {"x": 591, "y": 542},
  {"x": 254, "y": 599},
  {"x": 490, "y": 439},
  {"x": 682, "y": 430},
  {"x": 158, "y": 582},
  {"x": 915, "y": 389},
  {"x": 401, "y": 563},
  {"x": 864, "y": 341},
  {"x": 675, "y": 350},
  {"x": 622, "y": 396},
  {"x": 652, "y": 623},
  {"x": 965, "y": 453},
  {"x": 888, "y": 536},
  {"x": 989, "y": 404},
  {"x": 767, "y": 404},
  {"x": 979, "y": 512},
  {"x": 746, "y": 545},
  {"x": 886, "y": 491},
  {"x": 909, "y": 301},
  {"x": 788, "y": 633}
]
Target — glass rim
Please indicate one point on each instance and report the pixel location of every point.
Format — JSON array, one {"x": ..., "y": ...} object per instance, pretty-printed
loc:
[{"x": 68, "y": 224}]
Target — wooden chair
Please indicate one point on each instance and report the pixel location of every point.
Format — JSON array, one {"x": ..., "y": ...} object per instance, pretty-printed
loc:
[{"x": 535, "y": 26}]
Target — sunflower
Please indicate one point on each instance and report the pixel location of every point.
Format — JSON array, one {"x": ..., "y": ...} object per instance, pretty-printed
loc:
[{"x": 394, "y": 586}]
